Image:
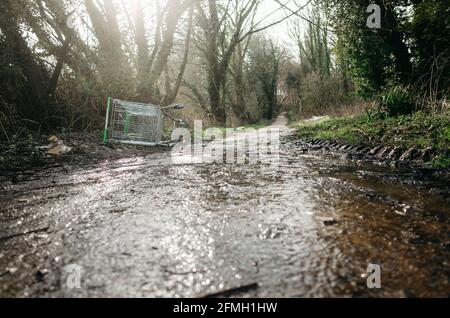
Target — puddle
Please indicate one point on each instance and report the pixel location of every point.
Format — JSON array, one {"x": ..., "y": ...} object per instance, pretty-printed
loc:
[{"x": 143, "y": 227}]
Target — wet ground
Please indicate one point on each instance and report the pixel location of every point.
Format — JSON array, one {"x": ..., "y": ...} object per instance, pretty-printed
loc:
[{"x": 143, "y": 227}]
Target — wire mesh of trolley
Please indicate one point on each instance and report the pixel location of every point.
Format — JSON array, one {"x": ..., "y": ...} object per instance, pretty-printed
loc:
[{"x": 135, "y": 123}]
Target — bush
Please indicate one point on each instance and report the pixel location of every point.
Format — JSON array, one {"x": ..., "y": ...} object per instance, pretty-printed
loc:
[
  {"x": 321, "y": 94},
  {"x": 397, "y": 101}
]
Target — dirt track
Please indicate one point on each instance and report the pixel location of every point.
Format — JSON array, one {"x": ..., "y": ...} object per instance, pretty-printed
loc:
[{"x": 147, "y": 228}]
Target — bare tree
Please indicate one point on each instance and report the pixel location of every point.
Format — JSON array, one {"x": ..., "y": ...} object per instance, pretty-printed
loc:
[
  {"x": 151, "y": 65},
  {"x": 218, "y": 46},
  {"x": 265, "y": 60}
]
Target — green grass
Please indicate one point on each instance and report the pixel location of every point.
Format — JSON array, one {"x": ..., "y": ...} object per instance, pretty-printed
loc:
[
  {"x": 421, "y": 130},
  {"x": 260, "y": 125}
]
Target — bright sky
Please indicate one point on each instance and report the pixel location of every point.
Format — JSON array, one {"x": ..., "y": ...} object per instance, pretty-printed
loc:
[
  {"x": 280, "y": 32},
  {"x": 268, "y": 12}
]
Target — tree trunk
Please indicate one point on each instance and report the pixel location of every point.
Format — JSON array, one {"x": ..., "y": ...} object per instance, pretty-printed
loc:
[
  {"x": 143, "y": 67},
  {"x": 62, "y": 59},
  {"x": 115, "y": 68},
  {"x": 215, "y": 98}
]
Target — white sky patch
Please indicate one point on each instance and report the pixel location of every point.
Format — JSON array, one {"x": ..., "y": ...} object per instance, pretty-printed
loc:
[
  {"x": 268, "y": 12},
  {"x": 272, "y": 12}
]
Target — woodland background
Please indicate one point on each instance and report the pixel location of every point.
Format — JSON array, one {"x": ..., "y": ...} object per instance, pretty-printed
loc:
[{"x": 220, "y": 58}]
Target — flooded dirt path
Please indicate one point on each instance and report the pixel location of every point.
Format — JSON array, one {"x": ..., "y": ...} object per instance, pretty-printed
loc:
[{"x": 143, "y": 227}]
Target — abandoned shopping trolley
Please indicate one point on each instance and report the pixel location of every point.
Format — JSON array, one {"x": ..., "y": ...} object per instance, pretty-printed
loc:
[{"x": 136, "y": 123}]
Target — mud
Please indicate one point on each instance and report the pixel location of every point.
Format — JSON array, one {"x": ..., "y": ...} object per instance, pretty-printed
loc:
[
  {"x": 413, "y": 157},
  {"x": 143, "y": 227}
]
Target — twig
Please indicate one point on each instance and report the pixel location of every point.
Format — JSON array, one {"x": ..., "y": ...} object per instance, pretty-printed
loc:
[
  {"x": 363, "y": 133},
  {"x": 4, "y": 131},
  {"x": 8, "y": 237},
  {"x": 229, "y": 292}
]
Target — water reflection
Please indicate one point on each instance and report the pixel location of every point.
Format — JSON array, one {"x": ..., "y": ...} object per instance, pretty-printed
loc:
[{"x": 143, "y": 227}]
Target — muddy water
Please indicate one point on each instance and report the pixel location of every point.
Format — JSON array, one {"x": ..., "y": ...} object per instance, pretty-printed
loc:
[{"x": 143, "y": 227}]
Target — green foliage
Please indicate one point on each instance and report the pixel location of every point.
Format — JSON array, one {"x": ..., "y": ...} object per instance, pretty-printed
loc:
[
  {"x": 362, "y": 53},
  {"x": 430, "y": 29},
  {"x": 411, "y": 48},
  {"x": 397, "y": 101},
  {"x": 440, "y": 162}
]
